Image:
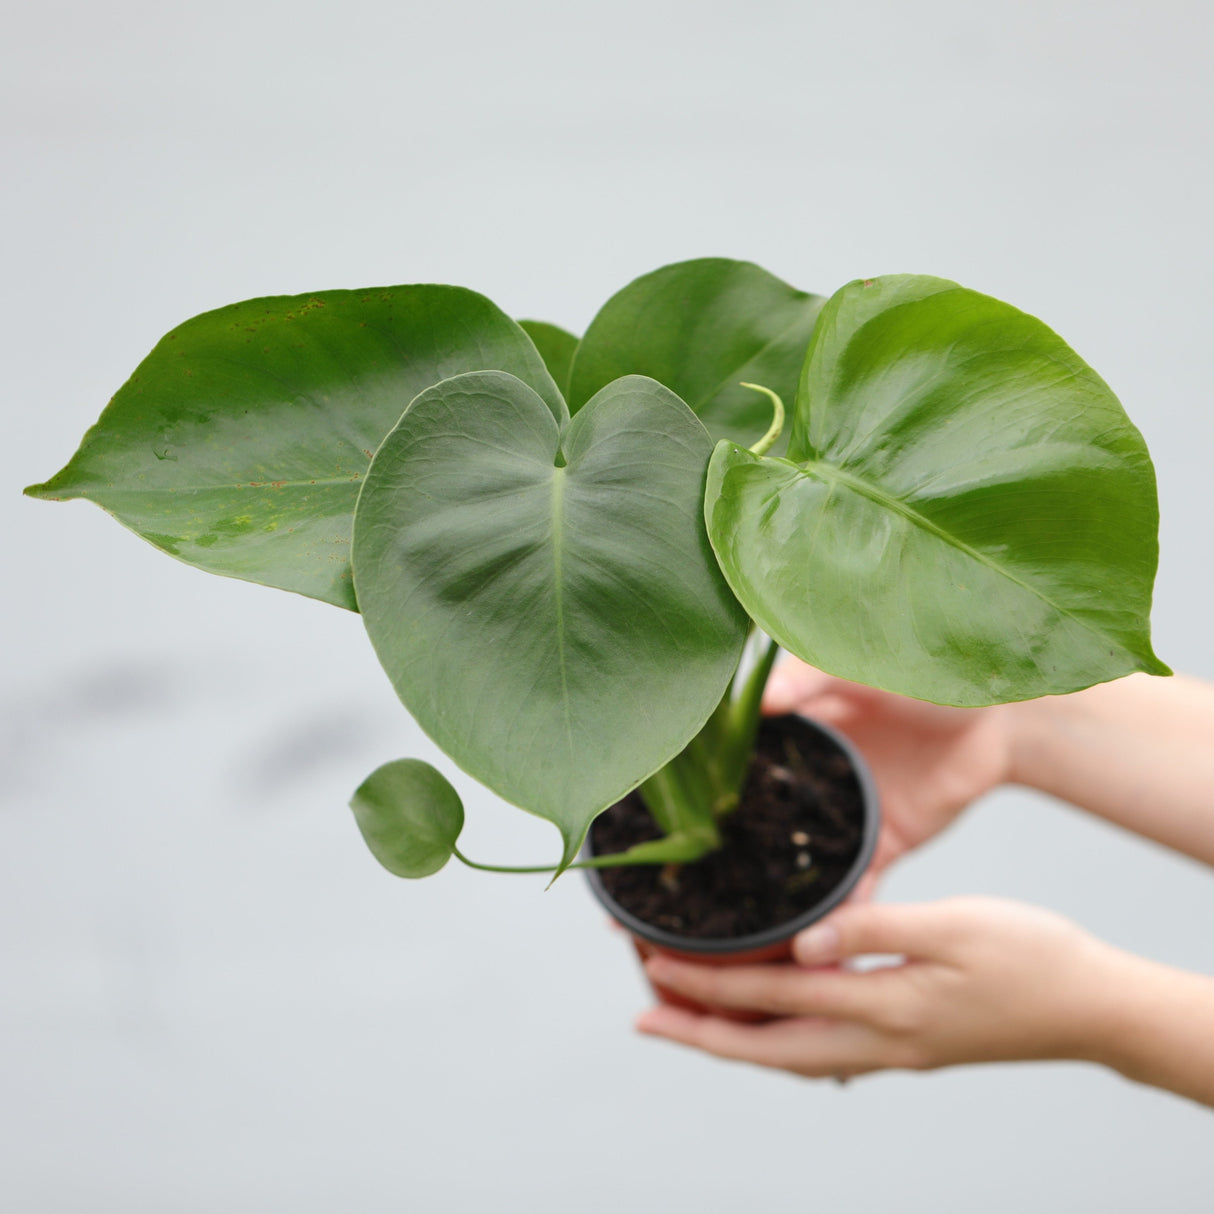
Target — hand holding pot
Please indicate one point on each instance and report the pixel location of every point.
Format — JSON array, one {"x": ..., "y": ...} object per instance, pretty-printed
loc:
[
  {"x": 929, "y": 762},
  {"x": 982, "y": 980},
  {"x": 1135, "y": 752}
]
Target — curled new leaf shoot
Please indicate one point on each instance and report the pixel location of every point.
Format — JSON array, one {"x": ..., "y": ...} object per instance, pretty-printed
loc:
[{"x": 768, "y": 440}]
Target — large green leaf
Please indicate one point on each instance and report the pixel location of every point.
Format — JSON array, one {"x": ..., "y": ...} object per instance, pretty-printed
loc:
[
  {"x": 544, "y": 600},
  {"x": 966, "y": 514},
  {"x": 701, "y": 328},
  {"x": 556, "y": 347},
  {"x": 239, "y": 443}
]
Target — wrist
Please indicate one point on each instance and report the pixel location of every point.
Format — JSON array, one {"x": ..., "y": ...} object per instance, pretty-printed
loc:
[
  {"x": 1055, "y": 741},
  {"x": 1153, "y": 1027},
  {"x": 1113, "y": 1011},
  {"x": 1032, "y": 730}
]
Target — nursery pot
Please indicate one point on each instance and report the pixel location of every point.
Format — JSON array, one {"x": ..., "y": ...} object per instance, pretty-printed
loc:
[{"x": 806, "y": 827}]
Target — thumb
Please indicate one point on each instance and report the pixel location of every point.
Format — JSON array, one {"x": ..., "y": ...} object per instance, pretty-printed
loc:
[{"x": 864, "y": 928}]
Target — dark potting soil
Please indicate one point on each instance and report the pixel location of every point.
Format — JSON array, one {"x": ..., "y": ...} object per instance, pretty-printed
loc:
[{"x": 790, "y": 842}]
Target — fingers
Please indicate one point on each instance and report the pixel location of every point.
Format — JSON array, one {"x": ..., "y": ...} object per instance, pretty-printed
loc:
[
  {"x": 919, "y": 931},
  {"x": 795, "y": 687},
  {"x": 866, "y": 888},
  {"x": 778, "y": 990},
  {"x": 791, "y": 683},
  {"x": 723, "y": 1038},
  {"x": 807, "y": 1047}
]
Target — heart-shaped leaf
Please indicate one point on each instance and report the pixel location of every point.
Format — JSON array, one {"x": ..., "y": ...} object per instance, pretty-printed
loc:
[
  {"x": 701, "y": 328},
  {"x": 240, "y": 442},
  {"x": 410, "y": 817},
  {"x": 545, "y": 601},
  {"x": 966, "y": 514}
]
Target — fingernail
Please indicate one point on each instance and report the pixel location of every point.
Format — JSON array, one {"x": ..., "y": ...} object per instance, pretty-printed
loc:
[{"x": 817, "y": 945}]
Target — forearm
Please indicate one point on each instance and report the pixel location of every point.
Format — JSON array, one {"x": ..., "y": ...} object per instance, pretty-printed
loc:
[
  {"x": 1138, "y": 752},
  {"x": 1157, "y": 1028}
]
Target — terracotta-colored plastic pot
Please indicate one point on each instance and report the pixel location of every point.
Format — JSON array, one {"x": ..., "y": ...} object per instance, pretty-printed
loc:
[{"x": 775, "y": 943}]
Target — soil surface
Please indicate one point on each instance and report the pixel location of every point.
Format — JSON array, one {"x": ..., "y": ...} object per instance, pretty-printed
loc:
[{"x": 790, "y": 842}]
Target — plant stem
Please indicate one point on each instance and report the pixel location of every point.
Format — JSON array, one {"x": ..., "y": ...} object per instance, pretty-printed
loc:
[
  {"x": 499, "y": 868},
  {"x": 679, "y": 848},
  {"x": 743, "y": 727},
  {"x": 745, "y": 710}
]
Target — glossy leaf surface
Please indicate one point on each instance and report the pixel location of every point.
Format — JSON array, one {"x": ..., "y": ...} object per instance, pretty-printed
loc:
[
  {"x": 701, "y": 327},
  {"x": 546, "y": 602},
  {"x": 556, "y": 347},
  {"x": 410, "y": 817},
  {"x": 966, "y": 514},
  {"x": 240, "y": 442}
]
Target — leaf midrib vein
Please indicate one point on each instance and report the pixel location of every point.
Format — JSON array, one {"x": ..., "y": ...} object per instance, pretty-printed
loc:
[{"x": 558, "y": 521}]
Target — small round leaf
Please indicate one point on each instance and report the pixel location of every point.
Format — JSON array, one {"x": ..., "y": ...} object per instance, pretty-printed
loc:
[{"x": 410, "y": 817}]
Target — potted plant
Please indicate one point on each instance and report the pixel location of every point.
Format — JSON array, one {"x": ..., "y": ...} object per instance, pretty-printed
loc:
[{"x": 560, "y": 547}]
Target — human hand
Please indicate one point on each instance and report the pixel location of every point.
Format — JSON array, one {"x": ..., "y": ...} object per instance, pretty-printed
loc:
[
  {"x": 983, "y": 980},
  {"x": 929, "y": 762}
]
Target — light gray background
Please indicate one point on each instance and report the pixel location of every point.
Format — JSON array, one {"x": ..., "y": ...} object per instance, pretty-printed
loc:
[{"x": 210, "y": 996}]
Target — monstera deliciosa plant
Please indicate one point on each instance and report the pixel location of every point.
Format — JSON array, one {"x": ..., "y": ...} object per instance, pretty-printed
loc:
[{"x": 559, "y": 547}]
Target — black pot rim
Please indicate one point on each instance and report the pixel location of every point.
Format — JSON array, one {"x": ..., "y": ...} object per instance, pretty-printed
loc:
[{"x": 782, "y": 931}]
